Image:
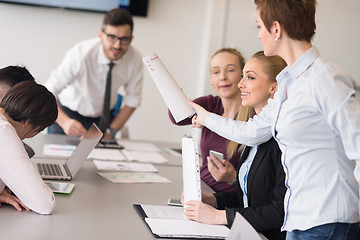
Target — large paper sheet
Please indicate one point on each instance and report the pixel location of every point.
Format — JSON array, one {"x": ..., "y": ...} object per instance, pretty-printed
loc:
[
  {"x": 107, "y": 154},
  {"x": 134, "y": 177},
  {"x": 150, "y": 157},
  {"x": 170, "y": 91},
  {"x": 191, "y": 170},
  {"x": 124, "y": 166},
  {"x": 139, "y": 146}
]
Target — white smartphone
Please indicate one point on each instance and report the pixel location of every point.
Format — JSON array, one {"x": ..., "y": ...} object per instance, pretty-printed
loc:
[
  {"x": 60, "y": 187},
  {"x": 174, "y": 202},
  {"x": 219, "y": 156}
]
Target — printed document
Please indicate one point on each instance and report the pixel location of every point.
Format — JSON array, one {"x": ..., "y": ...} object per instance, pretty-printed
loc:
[
  {"x": 151, "y": 157},
  {"x": 134, "y": 177},
  {"x": 125, "y": 166},
  {"x": 107, "y": 154}
]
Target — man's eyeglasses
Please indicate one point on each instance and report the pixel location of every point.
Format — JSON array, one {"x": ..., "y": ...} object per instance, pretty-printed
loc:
[{"x": 112, "y": 38}]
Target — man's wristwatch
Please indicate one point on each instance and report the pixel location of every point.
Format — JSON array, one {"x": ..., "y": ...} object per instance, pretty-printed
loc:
[{"x": 111, "y": 131}]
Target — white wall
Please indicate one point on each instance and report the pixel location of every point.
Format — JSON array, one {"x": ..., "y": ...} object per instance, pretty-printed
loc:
[
  {"x": 39, "y": 37},
  {"x": 183, "y": 33},
  {"x": 337, "y": 33}
]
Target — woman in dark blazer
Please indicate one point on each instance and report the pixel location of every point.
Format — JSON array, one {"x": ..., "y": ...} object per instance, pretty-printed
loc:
[
  {"x": 265, "y": 192},
  {"x": 260, "y": 178}
]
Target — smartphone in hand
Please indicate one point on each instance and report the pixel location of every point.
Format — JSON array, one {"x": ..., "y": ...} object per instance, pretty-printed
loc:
[{"x": 219, "y": 156}]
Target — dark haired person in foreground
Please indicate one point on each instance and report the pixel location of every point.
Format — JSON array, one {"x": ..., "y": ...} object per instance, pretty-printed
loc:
[
  {"x": 25, "y": 110},
  {"x": 9, "y": 77}
]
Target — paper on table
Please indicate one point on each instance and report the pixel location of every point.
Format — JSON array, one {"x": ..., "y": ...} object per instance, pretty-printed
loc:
[
  {"x": 191, "y": 170},
  {"x": 58, "y": 150},
  {"x": 168, "y": 212},
  {"x": 186, "y": 228},
  {"x": 107, "y": 154},
  {"x": 242, "y": 229},
  {"x": 173, "y": 151},
  {"x": 125, "y": 166},
  {"x": 133, "y": 177},
  {"x": 139, "y": 146},
  {"x": 152, "y": 157},
  {"x": 168, "y": 88}
]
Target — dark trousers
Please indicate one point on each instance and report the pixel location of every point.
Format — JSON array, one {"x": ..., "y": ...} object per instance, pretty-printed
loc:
[{"x": 85, "y": 121}]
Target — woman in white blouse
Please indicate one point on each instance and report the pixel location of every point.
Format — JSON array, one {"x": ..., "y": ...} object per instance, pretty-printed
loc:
[
  {"x": 25, "y": 110},
  {"x": 315, "y": 119}
]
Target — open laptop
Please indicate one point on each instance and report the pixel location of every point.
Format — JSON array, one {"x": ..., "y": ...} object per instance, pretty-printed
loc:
[{"x": 51, "y": 169}]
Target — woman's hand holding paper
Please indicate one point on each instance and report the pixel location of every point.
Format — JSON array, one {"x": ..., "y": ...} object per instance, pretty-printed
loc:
[{"x": 201, "y": 114}]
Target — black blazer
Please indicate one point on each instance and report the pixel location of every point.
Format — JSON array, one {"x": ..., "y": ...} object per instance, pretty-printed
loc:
[{"x": 266, "y": 190}]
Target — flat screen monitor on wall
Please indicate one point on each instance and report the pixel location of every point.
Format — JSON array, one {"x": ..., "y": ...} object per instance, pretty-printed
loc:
[{"x": 135, "y": 7}]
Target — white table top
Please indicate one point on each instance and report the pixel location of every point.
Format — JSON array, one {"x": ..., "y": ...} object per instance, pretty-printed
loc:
[{"x": 97, "y": 208}]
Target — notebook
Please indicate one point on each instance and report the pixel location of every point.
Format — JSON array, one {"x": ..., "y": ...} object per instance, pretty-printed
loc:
[
  {"x": 66, "y": 170},
  {"x": 170, "y": 222}
]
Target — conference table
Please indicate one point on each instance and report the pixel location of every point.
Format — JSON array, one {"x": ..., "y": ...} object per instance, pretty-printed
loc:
[{"x": 97, "y": 208}]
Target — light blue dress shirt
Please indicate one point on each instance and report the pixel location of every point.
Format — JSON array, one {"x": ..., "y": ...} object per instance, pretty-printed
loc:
[
  {"x": 244, "y": 173},
  {"x": 315, "y": 119}
]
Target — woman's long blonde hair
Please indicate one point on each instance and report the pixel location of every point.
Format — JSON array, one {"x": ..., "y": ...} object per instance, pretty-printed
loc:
[
  {"x": 273, "y": 65},
  {"x": 244, "y": 113}
]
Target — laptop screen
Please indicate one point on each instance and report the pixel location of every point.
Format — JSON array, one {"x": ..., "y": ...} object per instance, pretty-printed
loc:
[{"x": 82, "y": 151}]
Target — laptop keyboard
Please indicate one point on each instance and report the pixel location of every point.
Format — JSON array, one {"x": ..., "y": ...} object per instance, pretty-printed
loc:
[{"x": 49, "y": 169}]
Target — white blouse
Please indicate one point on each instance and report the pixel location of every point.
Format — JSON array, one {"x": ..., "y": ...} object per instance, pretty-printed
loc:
[
  {"x": 315, "y": 119},
  {"x": 19, "y": 173}
]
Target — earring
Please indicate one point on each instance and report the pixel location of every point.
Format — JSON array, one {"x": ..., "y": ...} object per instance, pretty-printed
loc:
[{"x": 277, "y": 39}]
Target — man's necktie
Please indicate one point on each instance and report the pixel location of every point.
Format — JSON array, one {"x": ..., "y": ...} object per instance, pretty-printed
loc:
[{"x": 105, "y": 117}]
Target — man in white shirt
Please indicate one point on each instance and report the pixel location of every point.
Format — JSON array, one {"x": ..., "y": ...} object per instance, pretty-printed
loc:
[{"x": 79, "y": 82}]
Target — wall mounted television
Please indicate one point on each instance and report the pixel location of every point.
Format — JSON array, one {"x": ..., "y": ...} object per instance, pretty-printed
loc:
[{"x": 135, "y": 7}]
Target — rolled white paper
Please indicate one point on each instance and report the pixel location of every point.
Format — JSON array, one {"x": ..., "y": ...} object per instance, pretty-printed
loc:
[
  {"x": 170, "y": 91},
  {"x": 191, "y": 170}
]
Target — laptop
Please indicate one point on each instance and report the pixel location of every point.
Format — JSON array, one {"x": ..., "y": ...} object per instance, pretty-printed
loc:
[{"x": 51, "y": 169}]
